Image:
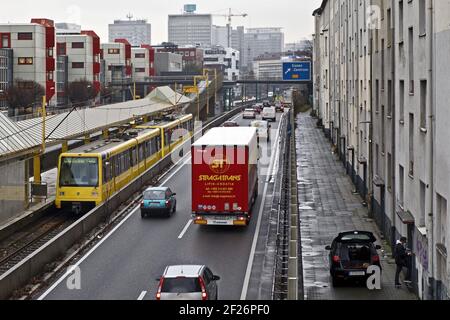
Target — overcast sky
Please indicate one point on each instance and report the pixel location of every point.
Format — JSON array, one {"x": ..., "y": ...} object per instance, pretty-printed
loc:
[{"x": 294, "y": 16}]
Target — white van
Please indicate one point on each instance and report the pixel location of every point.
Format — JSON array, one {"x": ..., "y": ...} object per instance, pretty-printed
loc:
[{"x": 269, "y": 114}]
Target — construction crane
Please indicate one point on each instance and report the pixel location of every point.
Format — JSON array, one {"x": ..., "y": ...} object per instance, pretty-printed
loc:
[{"x": 229, "y": 16}]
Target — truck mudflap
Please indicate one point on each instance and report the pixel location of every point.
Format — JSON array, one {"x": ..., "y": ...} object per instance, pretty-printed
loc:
[{"x": 221, "y": 220}]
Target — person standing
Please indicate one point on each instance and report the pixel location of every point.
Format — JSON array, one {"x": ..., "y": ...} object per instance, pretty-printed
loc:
[{"x": 401, "y": 260}]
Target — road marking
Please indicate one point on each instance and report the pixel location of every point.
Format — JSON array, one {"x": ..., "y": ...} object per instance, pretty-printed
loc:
[
  {"x": 107, "y": 236},
  {"x": 258, "y": 227},
  {"x": 142, "y": 295},
  {"x": 185, "y": 229}
]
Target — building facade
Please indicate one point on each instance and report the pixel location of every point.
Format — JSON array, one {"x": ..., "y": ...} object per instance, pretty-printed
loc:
[
  {"x": 191, "y": 29},
  {"x": 143, "y": 61},
  {"x": 6, "y": 74},
  {"x": 381, "y": 92},
  {"x": 168, "y": 62},
  {"x": 33, "y": 46},
  {"x": 136, "y": 32},
  {"x": 117, "y": 57},
  {"x": 192, "y": 57},
  {"x": 223, "y": 59},
  {"x": 258, "y": 41}
]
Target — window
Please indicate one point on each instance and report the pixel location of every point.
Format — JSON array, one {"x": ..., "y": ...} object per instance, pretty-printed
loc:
[
  {"x": 139, "y": 55},
  {"x": 441, "y": 211},
  {"x": 139, "y": 70},
  {"x": 423, "y": 104},
  {"x": 113, "y": 51},
  {"x": 401, "y": 186},
  {"x": 402, "y": 101},
  {"x": 423, "y": 189},
  {"x": 25, "y": 61},
  {"x": 390, "y": 98},
  {"x": 77, "y": 45},
  {"x": 25, "y": 36},
  {"x": 79, "y": 172},
  {"x": 382, "y": 64},
  {"x": 389, "y": 28},
  {"x": 400, "y": 21},
  {"x": 389, "y": 173},
  {"x": 422, "y": 18},
  {"x": 411, "y": 60},
  {"x": 5, "y": 40},
  {"x": 383, "y": 127},
  {"x": 377, "y": 95},
  {"x": 77, "y": 65},
  {"x": 61, "y": 49},
  {"x": 411, "y": 144}
]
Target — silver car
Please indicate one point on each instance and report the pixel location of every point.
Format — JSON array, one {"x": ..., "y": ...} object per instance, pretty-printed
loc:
[{"x": 188, "y": 282}]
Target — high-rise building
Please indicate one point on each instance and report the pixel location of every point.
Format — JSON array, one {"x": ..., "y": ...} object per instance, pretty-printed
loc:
[
  {"x": 191, "y": 29},
  {"x": 136, "y": 32},
  {"x": 259, "y": 41}
]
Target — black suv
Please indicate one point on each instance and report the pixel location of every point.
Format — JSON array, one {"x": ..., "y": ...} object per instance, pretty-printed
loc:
[{"x": 351, "y": 254}]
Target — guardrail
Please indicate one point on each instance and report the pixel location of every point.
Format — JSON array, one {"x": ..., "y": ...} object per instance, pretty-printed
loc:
[{"x": 34, "y": 264}]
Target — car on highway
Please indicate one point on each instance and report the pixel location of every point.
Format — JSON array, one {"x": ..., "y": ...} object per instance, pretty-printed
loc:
[
  {"x": 266, "y": 104},
  {"x": 158, "y": 201},
  {"x": 263, "y": 129},
  {"x": 279, "y": 107},
  {"x": 249, "y": 114},
  {"x": 351, "y": 254},
  {"x": 188, "y": 282},
  {"x": 230, "y": 123},
  {"x": 258, "y": 108},
  {"x": 269, "y": 114}
]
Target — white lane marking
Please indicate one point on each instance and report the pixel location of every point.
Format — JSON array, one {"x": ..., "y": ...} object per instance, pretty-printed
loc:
[
  {"x": 185, "y": 229},
  {"x": 258, "y": 227},
  {"x": 68, "y": 272},
  {"x": 142, "y": 295},
  {"x": 49, "y": 290}
]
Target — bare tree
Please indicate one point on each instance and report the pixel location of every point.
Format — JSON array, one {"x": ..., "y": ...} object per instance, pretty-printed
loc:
[
  {"x": 23, "y": 95},
  {"x": 80, "y": 93}
]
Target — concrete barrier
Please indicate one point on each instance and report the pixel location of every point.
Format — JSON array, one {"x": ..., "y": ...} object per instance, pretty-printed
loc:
[{"x": 33, "y": 265}]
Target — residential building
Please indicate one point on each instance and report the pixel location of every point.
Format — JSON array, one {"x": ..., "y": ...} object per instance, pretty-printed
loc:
[
  {"x": 143, "y": 61},
  {"x": 381, "y": 92},
  {"x": 268, "y": 67},
  {"x": 6, "y": 74},
  {"x": 191, "y": 29},
  {"x": 136, "y": 32},
  {"x": 117, "y": 56},
  {"x": 258, "y": 41},
  {"x": 168, "y": 62},
  {"x": 33, "y": 46},
  {"x": 192, "y": 57},
  {"x": 224, "y": 59}
]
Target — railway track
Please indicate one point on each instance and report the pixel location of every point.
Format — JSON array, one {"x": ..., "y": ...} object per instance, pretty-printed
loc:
[{"x": 22, "y": 244}]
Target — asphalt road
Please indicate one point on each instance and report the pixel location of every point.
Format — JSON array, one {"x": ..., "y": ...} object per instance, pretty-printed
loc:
[{"x": 126, "y": 263}]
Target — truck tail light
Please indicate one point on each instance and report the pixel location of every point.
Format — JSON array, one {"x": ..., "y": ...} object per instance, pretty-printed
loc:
[
  {"x": 158, "y": 294},
  {"x": 202, "y": 285}
]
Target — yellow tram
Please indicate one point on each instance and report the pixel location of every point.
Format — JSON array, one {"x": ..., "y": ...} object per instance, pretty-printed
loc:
[{"x": 89, "y": 175}]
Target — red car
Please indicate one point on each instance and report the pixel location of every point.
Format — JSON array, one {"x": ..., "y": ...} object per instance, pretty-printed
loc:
[{"x": 258, "y": 108}]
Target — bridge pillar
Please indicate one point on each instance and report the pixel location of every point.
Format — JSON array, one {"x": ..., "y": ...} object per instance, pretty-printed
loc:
[
  {"x": 105, "y": 134},
  {"x": 87, "y": 139}
]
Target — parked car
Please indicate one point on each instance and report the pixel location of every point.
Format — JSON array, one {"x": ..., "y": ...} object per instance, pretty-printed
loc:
[
  {"x": 351, "y": 254},
  {"x": 263, "y": 129},
  {"x": 249, "y": 114},
  {"x": 188, "y": 282},
  {"x": 269, "y": 114},
  {"x": 158, "y": 201},
  {"x": 230, "y": 124}
]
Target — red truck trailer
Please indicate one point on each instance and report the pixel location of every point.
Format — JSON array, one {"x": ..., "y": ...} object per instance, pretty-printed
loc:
[{"x": 225, "y": 176}]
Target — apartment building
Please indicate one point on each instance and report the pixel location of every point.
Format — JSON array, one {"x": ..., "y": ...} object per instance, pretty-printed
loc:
[
  {"x": 117, "y": 57},
  {"x": 192, "y": 57},
  {"x": 191, "y": 29},
  {"x": 258, "y": 41},
  {"x": 83, "y": 52},
  {"x": 143, "y": 61},
  {"x": 381, "y": 92},
  {"x": 223, "y": 59},
  {"x": 137, "y": 32},
  {"x": 33, "y": 47}
]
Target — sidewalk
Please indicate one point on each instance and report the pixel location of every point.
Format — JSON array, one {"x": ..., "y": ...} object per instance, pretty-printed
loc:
[{"x": 328, "y": 207}]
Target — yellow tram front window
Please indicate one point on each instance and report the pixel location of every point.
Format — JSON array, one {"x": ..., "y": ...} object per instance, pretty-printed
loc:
[{"x": 79, "y": 172}]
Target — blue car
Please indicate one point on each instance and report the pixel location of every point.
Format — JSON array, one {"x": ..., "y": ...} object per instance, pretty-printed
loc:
[{"x": 158, "y": 201}]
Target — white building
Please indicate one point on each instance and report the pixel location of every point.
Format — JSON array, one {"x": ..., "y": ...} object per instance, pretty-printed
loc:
[
  {"x": 33, "y": 46},
  {"x": 224, "y": 59},
  {"x": 381, "y": 89},
  {"x": 191, "y": 29},
  {"x": 168, "y": 62},
  {"x": 117, "y": 57},
  {"x": 268, "y": 69},
  {"x": 259, "y": 41},
  {"x": 136, "y": 32},
  {"x": 143, "y": 60}
]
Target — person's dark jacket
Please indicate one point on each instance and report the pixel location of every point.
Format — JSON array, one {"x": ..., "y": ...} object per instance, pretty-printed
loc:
[{"x": 400, "y": 255}]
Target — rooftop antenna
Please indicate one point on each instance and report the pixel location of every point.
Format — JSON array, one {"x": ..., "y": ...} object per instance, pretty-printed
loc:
[{"x": 129, "y": 16}]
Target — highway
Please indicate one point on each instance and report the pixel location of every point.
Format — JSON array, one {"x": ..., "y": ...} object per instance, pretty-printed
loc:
[{"x": 124, "y": 265}]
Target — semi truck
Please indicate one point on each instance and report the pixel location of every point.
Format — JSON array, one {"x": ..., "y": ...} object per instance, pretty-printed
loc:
[{"x": 225, "y": 176}]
